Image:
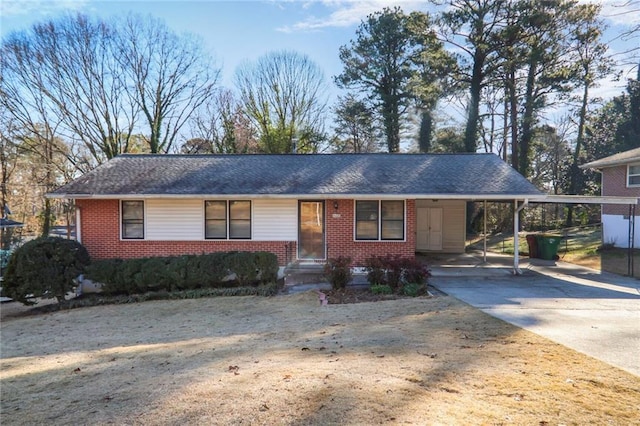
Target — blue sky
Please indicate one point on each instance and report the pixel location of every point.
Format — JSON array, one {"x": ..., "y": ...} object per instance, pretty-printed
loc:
[
  {"x": 233, "y": 30},
  {"x": 245, "y": 29}
]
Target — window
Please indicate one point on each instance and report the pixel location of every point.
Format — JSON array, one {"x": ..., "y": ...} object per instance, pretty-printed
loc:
[
  {"x": 380, "y": 220},
  {"x": 633, "y": 175},
  {"x": 132, "y": 220},
  {"x": 366, "y": 220},
  {"x": 392, "y": 217},
  {"x": 240, "y": 219},
  {"x": 215, "y": 213},
  {"x": 227, "y": 218}
]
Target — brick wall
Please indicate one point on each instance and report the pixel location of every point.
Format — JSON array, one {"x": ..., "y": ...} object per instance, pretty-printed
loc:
[
  {"x": 340, "y": 236},
  {"x": 614, "y": 183},
  {"x": 100, "y": 233}
]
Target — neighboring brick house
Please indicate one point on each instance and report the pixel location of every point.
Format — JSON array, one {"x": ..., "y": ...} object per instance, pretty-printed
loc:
[
  {"x": 300, "y": 207},
  {"x": 620, "y": 177}
]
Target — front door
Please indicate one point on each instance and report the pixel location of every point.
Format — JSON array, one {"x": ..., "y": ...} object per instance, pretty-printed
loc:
[
  {"x": 429, "y": 229},
  {"x": 311, "y": 235}
]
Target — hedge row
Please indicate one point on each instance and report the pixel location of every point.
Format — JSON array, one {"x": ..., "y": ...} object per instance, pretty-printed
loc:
[{"x": 215, "y": 270}]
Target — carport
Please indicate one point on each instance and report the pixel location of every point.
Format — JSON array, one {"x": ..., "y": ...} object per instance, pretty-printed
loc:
[{"x": 522, "y": 203}]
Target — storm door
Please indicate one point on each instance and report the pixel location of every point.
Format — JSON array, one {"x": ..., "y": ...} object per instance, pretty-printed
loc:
[{"x": 311, "y": 235}]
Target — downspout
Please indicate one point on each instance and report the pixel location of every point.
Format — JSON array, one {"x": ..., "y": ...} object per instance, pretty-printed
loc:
[
  {"x": 78, "y": 224},
  {"x": 516, "y": 238}
]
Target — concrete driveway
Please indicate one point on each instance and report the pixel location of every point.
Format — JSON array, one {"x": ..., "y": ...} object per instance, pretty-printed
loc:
[{"x": 595, "y": 313}]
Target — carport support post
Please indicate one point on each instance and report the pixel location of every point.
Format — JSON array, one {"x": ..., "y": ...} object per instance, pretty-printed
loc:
[
  {"x": 484, "y": 234},
  {"x": 516, "y": 237}
]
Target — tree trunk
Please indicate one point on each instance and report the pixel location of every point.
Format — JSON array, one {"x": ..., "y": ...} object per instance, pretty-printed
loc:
[
  {"x": 575, "y": 170},
  {"x": 426, "y": 129},
  {"x": 471, "y": 129},
  {"x": 527, "y": 120}
]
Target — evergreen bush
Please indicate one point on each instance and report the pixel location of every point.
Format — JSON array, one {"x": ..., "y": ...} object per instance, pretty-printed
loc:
[
  {"x": 45, "y": 267},
  {"x": 188, "y": 272}
]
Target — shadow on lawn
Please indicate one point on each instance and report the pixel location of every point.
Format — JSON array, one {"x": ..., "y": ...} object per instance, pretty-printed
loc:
[{"x": 123, "y": 367}]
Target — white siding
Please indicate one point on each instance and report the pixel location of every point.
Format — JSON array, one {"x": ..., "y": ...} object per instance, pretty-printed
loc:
[
  {"x": 615, "y": 230},
  {"x": 275, "y": 220},
  {"x": 174, "y": 220}
]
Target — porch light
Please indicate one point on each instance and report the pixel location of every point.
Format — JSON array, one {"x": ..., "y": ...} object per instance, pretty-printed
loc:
[{"x": 335, "y": 205}]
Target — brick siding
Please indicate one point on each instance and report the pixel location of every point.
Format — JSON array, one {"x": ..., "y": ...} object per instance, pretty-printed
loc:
[
  {"x": 100, "y": 232},
  {"x": 340, "y": 235},
  {"x": 614, "y": 183}
]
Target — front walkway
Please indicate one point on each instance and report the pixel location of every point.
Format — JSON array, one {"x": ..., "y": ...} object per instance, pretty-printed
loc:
[{"x": 592, "y": 312}]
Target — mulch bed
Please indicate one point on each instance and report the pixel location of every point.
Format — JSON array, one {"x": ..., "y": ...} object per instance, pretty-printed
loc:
[{"x": 345, "y": 296}]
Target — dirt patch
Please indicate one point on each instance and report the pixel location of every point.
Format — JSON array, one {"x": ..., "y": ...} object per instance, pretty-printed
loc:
[{"x": 289, "y": 360}]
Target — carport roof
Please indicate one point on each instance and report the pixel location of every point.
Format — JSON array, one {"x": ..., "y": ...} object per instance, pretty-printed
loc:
[{"x": 479, "y": 176}]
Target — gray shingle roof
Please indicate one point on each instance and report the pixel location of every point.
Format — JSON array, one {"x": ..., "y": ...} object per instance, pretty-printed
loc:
[
  {"x": 289, "y": 174},
  {"x": 626, "y": 157}
]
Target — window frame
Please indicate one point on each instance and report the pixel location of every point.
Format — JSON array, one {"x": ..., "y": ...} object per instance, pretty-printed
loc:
[
  {"x": 124, "y": 221},
  {"x": 630, "y": 175},
  {"x": 380, "y": 221},
  {"x": 228, "y": 220}
]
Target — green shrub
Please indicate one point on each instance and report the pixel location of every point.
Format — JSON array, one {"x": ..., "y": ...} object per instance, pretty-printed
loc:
[
  {"x": 189, "y": 272},
  {"x": 211, "y": 269},
  {"x": 177, "y": 273},
  {"x": 412, "y": 289},
  {"x": 267, "y": 266},
  {"x": 338, "y": 272},
  {"x": 109, "y": 272},
  {"x": 154, "y": 275},
  {"x": 243, "y": 265},
  {"x": 45, "y": 267},
  {"x": 381, "y": 289}
]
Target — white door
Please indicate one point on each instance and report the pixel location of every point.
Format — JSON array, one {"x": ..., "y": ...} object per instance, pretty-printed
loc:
[{"x": 429, "y": 229}]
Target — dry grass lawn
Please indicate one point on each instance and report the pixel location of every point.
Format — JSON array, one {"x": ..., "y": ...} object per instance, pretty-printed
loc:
[{"x": 288, "y": 360}]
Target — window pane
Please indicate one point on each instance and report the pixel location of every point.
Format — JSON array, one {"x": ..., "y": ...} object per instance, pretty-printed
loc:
[
  {"x": 393, "y": 210},
  {"x": 215, "y": 210},
  {"x": 240, "y": 210},
  {"x": 240, "y": 229},
  {"x": 132, "y": 230},
  {"x": 366, "y": 210},
  {"x": 634, "y": 180},
  {"x": 215, "y": 229},
  {"x": 392, "y": 230},
  {"x": 132, "y": 210},
  {"x": 132, "y": 219},
  {"x": 367, "y": 230},
  {"x": 634, "y": 170}
]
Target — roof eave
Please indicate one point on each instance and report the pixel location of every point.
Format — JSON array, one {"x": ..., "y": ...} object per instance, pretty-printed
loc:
[
  {"x": 598, "y": 164},
  {"x": 468, "y": 197},
  {"x": 583, "y": 199}
]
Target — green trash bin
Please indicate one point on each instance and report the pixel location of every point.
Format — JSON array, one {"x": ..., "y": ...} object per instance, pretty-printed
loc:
[{"x": 548, "y": 246}]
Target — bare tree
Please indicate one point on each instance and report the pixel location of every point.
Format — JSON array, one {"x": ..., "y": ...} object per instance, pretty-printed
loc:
[
  {"x": 8, "y": 157},
  {"x": 171, "y": 76},
  {"x": 220, "y": 127},
  {"x": 68, "y": 67},
  {"x": 284, "y": 95}
]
